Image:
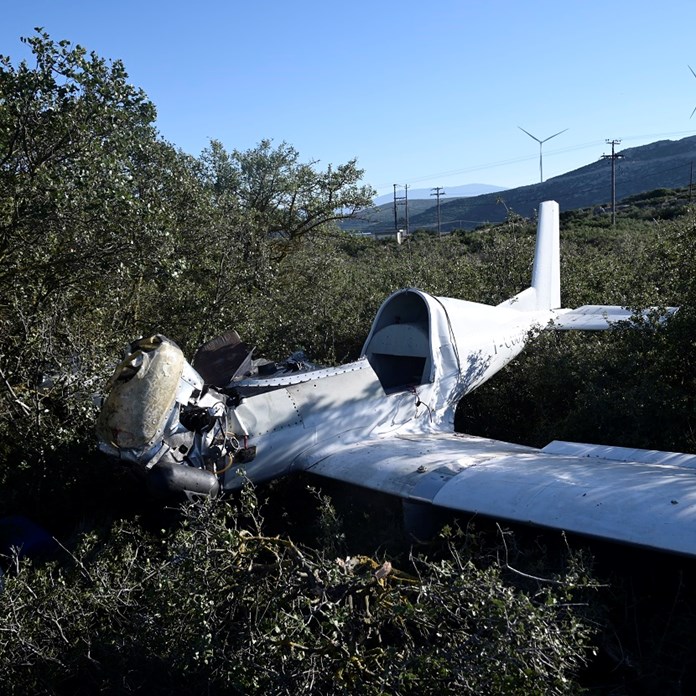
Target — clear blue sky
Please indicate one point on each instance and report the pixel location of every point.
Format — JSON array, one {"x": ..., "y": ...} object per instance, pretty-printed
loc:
[{"x": 425, "y": 94}]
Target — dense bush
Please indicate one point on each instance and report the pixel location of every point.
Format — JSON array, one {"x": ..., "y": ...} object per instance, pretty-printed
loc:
[{"x": 217, "y": 605}]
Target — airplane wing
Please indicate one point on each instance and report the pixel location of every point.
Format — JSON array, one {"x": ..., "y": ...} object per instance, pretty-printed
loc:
[
  {"x": 601, "y": 317},
  {"x": 641, "y": 497}
]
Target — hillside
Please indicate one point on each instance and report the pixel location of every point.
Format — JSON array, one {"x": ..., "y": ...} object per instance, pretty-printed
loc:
[
  {"x": 449, "y": 193},
  {"x": 663, "y": 164}
]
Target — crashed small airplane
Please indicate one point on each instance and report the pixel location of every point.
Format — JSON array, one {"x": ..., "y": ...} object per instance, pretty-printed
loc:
[{"x": 386, "y": 421}]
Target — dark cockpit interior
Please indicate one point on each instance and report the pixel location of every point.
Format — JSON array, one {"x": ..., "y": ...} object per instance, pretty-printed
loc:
[{"x": 399, "y": 349}]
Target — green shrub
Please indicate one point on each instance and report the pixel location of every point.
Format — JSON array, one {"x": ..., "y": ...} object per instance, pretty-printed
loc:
[{"x": 216, "y": 604}]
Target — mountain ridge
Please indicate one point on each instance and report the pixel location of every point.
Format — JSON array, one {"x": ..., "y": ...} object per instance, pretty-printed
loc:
[
  {"x": 662, "y": 164},
  {"x": 460, "y": 191}
]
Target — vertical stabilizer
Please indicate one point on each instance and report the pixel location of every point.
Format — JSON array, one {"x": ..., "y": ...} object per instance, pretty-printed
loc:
[
  {"x": 546, "y": 275},
  {"x": 545, "y": 291}
]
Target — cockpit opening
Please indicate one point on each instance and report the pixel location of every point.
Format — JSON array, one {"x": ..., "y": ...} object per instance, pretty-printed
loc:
[{"x": 399, "y": 347}]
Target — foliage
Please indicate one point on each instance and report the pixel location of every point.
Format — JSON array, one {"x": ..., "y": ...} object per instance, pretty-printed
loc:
[
  {"x": 76, "y": 141},
  {"x": 289, "y": 198},
  {"x": 219, "y": 605}
]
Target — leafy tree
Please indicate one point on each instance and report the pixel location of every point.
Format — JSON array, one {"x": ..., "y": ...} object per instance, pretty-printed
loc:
[
  {"x": 289, "y": 199},
  {"x": 72, "y": 132},
  {"x": 87, "y": 216},
  {"x": 255, "y": 209}
]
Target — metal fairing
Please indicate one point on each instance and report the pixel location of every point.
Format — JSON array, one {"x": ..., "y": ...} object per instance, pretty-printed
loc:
[{"x": 386, "y": 420}]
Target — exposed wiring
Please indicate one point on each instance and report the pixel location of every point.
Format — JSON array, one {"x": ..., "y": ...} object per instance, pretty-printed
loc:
[
  {"x": 421, "y": 403},
  {"x": 230, "y": 462}
]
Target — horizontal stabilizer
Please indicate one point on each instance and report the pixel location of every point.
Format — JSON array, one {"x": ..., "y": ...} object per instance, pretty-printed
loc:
[{"x": 602, "y": 317}]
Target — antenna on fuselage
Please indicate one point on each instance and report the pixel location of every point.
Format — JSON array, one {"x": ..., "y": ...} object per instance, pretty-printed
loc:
[{"x": 541, "y": 142}]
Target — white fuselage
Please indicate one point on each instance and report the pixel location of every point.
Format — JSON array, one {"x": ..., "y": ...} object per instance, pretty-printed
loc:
[{"x": 458, "y": 345}]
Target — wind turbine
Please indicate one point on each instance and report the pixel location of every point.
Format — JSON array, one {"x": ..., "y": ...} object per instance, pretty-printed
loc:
[
  {"x": 694, "y": 74},
  {"x": 541, "y": 142}
]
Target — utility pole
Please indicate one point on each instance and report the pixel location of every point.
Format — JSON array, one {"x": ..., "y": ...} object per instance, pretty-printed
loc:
[
  {"x": 438, "y": 192},
  {"x": 406, "y": 206},
  {"x": 614, "y": 156},
  {"x": 400, "y": 200}
]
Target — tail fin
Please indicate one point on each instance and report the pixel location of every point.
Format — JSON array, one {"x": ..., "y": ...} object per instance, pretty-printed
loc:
[
  {"x": 546, "y": 275},
  {"x": 545, "y": 291}
]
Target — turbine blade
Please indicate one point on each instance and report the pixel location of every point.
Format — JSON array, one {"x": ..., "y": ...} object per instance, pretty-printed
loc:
[
  {"x": 529, "y": 134},
  {"x": 554, "y": 135}
]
